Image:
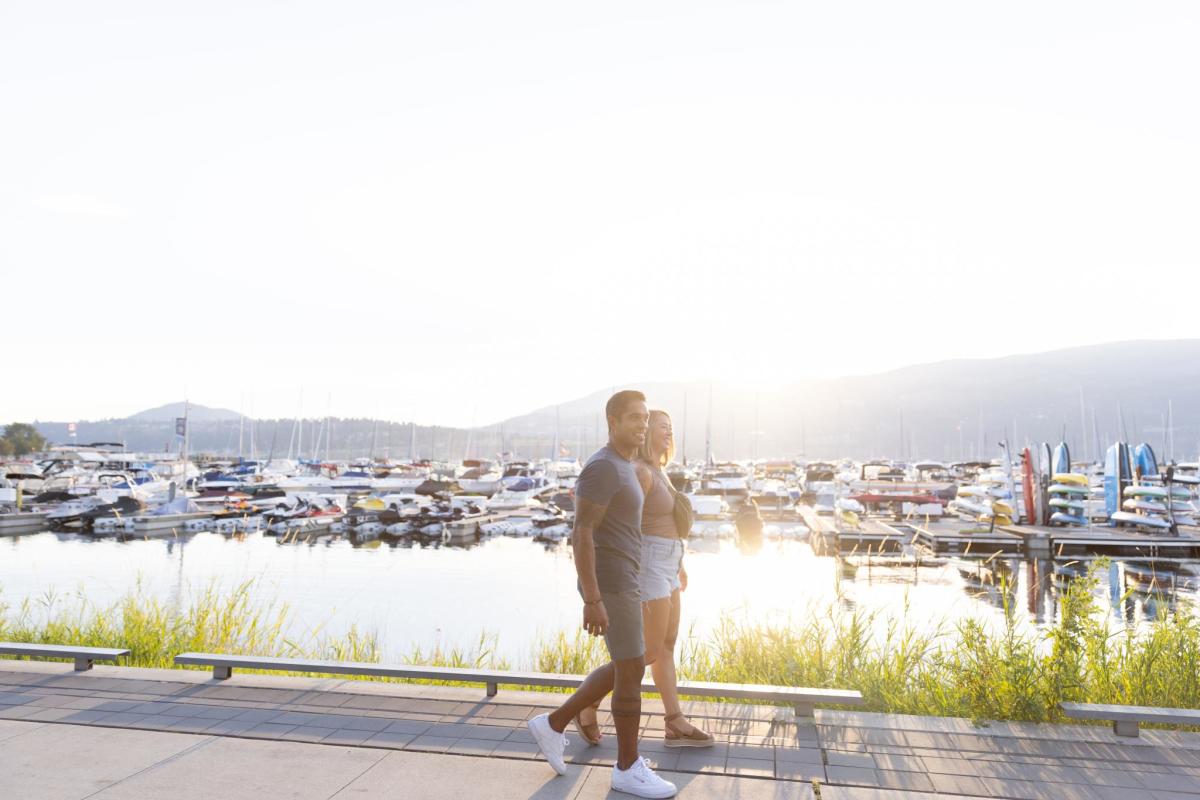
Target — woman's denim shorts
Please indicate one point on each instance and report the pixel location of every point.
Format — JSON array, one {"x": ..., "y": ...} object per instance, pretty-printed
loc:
[{"x": 661, "y": 559}]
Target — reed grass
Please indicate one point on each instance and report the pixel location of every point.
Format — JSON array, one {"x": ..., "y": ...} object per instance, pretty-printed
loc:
[{"x": 965, "y": 669}]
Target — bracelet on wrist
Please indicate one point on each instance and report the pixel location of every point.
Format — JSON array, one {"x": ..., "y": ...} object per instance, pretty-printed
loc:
[{"x": 593, "y": 602}]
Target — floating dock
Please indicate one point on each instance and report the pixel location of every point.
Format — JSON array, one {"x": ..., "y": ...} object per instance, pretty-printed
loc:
[
  {"x": 831, "y": 537},
  {"x": 22, "y": 522},
  {"x": 955, "y": 537}
]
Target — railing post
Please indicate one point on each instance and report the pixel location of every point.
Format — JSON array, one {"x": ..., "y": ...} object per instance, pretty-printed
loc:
[
  {"x": 83, "y": 664},
  {"x": 222, "y": 673},
  {"x": 1126, "y": 728},
  {"x": 804, "y": 709},
  {"x": 492, "y": 687}
]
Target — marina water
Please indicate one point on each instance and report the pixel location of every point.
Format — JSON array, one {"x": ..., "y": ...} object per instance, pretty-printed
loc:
[{"x": 413, "y": 593}]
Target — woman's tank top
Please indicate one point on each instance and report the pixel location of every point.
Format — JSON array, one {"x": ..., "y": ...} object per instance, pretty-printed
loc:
[{"x": 658, "y": 511}]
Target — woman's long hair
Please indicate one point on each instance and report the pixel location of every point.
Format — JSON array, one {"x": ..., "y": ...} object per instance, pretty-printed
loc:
[{"x": 644, "y": 448}]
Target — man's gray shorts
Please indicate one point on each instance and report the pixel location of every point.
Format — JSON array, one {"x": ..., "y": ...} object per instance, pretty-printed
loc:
[{"x": 624, "y": 636}]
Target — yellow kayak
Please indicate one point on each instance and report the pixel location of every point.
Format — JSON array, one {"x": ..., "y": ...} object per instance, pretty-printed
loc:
[{"x": 1070, "y": 477}]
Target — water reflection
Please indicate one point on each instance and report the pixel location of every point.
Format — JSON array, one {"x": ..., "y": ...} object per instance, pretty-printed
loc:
[{"x": 420, "y": 590}]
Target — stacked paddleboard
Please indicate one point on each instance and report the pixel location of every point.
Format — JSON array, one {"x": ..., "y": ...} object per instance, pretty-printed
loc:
[
  {"x": 986, "y": 501},
  {"x": 1068, "y": 498},
  {"x": 1148, "y": 503}
]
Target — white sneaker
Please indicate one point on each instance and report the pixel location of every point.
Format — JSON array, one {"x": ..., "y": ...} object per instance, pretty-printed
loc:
[
  {"x": 551, "y": 742},
  {"x": 641, "y": 781}
]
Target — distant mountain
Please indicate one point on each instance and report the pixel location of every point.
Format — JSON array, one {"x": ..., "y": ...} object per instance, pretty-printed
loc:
[
  {"x": 946, "y": 410},
  {"x": 195, "y": 413}
]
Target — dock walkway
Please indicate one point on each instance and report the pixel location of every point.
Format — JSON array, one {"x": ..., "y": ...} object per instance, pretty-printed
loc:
[{"x": 122, "y": 732}]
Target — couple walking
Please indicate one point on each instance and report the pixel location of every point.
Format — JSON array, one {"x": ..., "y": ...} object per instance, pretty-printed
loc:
[{"x": 629, "y": 558}]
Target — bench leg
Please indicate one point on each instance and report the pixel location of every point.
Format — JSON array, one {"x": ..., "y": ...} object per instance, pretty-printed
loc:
[
  {"x": 83, "y": 664},
  {"x": 222, "y": 673},
  {"x": 1125, "y": 728},
  {"x": 804, "y": 709},
  {"x": 492, "y": 688}
]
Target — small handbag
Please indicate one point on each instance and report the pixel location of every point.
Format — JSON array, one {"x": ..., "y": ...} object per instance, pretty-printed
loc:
[{"x": 683, "y": 513}]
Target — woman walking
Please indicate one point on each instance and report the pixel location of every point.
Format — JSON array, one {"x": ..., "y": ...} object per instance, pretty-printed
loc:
[{"x": 663, "y": 577}]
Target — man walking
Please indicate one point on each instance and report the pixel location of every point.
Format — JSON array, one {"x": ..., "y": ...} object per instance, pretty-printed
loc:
[{"x": 607, "y": 544}]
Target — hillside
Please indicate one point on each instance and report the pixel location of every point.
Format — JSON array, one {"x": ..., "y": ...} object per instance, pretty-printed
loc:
[{"x": 945, "y": 410}]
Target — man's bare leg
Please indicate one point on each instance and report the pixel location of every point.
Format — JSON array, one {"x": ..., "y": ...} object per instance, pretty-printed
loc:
[
  {"x": 627, "y": 708},
  {"x": 594, "y": 688}
]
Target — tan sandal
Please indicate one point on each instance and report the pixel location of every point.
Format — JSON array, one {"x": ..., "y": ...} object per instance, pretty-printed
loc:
[
  {"x": 589, "y": 733},
  {"x": 696, "y": 738}
]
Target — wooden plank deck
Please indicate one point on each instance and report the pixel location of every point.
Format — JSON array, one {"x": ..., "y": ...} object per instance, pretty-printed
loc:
[{"x": 176, "y": 733}]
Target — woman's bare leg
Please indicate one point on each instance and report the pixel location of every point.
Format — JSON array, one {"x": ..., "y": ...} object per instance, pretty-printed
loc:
[
  {"x": 661, "y": 618},
  {"x": 656, "y": 618}
]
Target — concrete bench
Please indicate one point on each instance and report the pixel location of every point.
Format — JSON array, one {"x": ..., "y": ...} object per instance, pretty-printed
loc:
[
  {"x": 802, "y": 700},
  {"x": 84, "y": 656},
  {"x": 1125, "y": 719}
]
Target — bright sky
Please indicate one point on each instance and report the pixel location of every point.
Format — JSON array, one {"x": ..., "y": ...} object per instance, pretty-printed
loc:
[{"x": 454, "y": 211}]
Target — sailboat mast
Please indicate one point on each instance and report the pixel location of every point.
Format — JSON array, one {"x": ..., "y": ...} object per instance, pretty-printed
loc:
[
  {"x": 241, "y": 424},
  {"x": 683, "y": 438},
  {"x": 1170, "y": 431},
  {"x": 1083, "y": 437},
  {"x": 708, "y": 430},
  {"x": 186, "y": 443}
]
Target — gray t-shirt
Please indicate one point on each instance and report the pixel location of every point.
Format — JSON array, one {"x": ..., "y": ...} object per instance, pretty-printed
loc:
[{"x": 610, "y": 480}]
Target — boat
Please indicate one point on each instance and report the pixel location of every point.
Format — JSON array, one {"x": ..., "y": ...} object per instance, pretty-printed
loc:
[{"x": 171, "y": 515}]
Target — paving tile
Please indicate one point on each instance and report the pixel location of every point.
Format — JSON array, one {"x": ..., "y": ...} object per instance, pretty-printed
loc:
[
  {"x": 431, "y": 744},
  {"x": 218, "y": 712},
  {"x": 854, "y": 776},
  {"x": 957, "y": 784},
  {"x": 507, "y": 749},
  {"x": 752, "y": 767},
  {"x": 254, "y": 714},
  {"x": 85, "y": 717},
  {"x": 407, "y": 726},
  {"x": 700, "y": 762},
  {"x": 800, "y": 771},
  {"x": 839, "y": 758},
  {"x": 347, "y": 737},
  {"x": 908, "y": 781},
  {"x": 748, "y": 751},
  {"x": 48, "y": 713},
  {"x": 948, "y": 766},
  {"x": 387, "y": 738},
  {"x": 304, "y": 733},
  {"x": 899, "y": 763},
  {"x": 375, "y": 724},
  {"x": 17, "y": 712},
  {"x": 473, "y": 747},
  {"x": 75, "y": 761},
  {"x": 237, "y": 769},
  {"x": 519, "y": 735},
  {"x": 116, "y": 705},
  {"x": 11, "y": 728},
  {"x": 13, "y": 699},
  {"x": 668, "y": 760},
  {"x": 50, "y": 700},
  {"x": 793, "y": 755},
  {"x": 406, "y": 774},
  {"x": 1161, "y": 781},
  {"x": 267, "y": 730},
  {"x": 229, "y": 727}
]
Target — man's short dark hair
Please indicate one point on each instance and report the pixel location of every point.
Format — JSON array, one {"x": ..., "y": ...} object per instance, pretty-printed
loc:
[{"x": 619, "y": 403}]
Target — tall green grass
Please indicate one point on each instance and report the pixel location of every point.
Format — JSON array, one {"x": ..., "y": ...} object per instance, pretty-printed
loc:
[{"x": 966, "y": 669}]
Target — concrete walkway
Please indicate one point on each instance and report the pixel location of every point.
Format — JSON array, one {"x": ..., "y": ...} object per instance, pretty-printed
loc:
[{"x": 125, "y": 732}]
